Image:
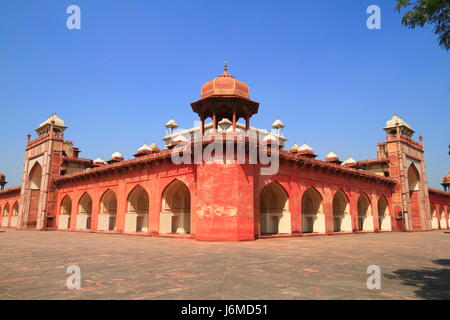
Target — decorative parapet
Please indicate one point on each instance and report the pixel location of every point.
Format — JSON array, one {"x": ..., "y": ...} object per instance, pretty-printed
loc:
[
  {"x": 166, "y": 155},
  {"x": 43, "y": 138},
  {"x": 440, "y": 192},
  {"x": 10, "y": 191},
  {"x": 404, "y": 138}
]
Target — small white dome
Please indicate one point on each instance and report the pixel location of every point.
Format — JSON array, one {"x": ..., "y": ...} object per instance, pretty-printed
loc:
[
  {"x": 349, "y": 161},
  {"x": 396, "y": 119},
  {"x": 145, "y": 147},
  {"x": 305, "y": 147},
  {"x": 99, "y": 160},
  {"x": 153, "y": 146},
  {"x": 58, "y": 121},
  {"x": 116, "y": 154},
  {"x": 332, "y": 155},
  {"x": 278, "y": 124},
  {"x": 171, "y": 124},
  {"x": 294, "y": 148}
]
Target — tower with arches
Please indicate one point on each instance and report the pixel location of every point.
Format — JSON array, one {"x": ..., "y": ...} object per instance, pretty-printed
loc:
[{"x": 406, "y": 164}]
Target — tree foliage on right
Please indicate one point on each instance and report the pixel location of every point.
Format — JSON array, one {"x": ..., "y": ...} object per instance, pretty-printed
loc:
[{"x": 433, "y": 12}]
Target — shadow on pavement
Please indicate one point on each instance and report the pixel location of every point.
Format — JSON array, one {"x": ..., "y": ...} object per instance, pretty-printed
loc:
[{"x": 431, "y": 283}]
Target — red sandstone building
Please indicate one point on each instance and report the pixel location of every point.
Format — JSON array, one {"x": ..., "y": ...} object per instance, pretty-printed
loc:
[{"x": 230, "y": 200}]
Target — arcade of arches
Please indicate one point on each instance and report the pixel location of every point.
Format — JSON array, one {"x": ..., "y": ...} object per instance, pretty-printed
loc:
[
  {"x": 224, "y": 199},
  {"x": 281, "y": 211}
]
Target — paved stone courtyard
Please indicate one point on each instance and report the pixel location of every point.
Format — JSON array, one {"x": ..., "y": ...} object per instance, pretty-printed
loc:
[{"x": 413, "y": 266}]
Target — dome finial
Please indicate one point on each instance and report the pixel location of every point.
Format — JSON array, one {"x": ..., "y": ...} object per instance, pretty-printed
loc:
[{"x": 225, "y": 66}]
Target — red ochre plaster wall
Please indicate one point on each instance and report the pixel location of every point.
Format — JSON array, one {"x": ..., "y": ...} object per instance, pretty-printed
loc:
[
  {"x": 439, "y": 199},
  {"x": 225, "y": 198},
  {"x": 9, "y": 196}
]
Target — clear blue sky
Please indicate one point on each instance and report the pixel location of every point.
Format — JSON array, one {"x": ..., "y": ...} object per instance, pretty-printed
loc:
[{"x": 135, "y": 64}]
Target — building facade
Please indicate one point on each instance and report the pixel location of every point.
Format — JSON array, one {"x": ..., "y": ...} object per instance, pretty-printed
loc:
[{"x": 226, "y": 198}]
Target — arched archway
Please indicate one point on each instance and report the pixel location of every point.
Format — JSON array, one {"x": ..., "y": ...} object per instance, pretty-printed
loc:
[
  {"x": 15, "y": 211},
  {"x": 413, "y": 178},
  {"x": 313, "y": 219},
  {"x": 65, "y": 213},
  {"x": 84, "y": 212},
  {"x": 175, "y": 216},
  {"x": 136, "y": 218},
  {"x": 5, "y": 218},
  {"x": 108, "y": 211},
  {"x": 442, "y": 219},
  {"x": 434, "y": 217},
  {"x": 35, "y": 177},
  {"x": 383, "y": 214},
  {"x": 414, "y": 196},
  {"x": 14, "y": 215},
  {"x": 274, "y": 210},
  {"x": 342, "y": 221},
  {"x": 34, "y": 186},
  {"x": 365, "y": 219}
]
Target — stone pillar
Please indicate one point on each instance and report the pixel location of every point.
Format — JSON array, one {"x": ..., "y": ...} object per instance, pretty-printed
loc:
[
  {"x": 295, "y": 204},
  {"x": 375, "y": 214},
  {"x": 121, "y": 197},
  {"x": 327, "y": 205},
  {"x": 95, "y": 196},
  {"x": 353, "y": 205}
]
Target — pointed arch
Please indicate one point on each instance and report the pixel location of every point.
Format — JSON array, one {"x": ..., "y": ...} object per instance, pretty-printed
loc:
[
  {"x": 136, "y": 219},
  {"x": 313, "y": 219},
  {"x": 84, "y": 212},
  {"x": 434, "y": 217},
  {"x": 442, "y": 220},
  {"x": 383, "y": 214},
  {"x": 138, "y": 200},
  {"x": 341, "y": 212},
  {"x": 274, "y": 198},
  {"x": 364, "y": 205},
  {"x": 14, "y": 214},
  {"x": 176, "y": 208},
  {"x": 6, "y": 210},
  {"x": 65, "y": 213},
  {"x": 108, "y": 211},
  {"x": 413, "y": 178},
  {"x": 66, "y": 205},
  {"x": 15, "y": 210},
  {"x": 35, "y": 177},
  {"x": 108, "y": 202},
  {"x": 274, "y": 209},
  {"x": 5, "y": 218},
  {"x": 85, "y": 204},
  {"x": 365, "y": 219},
  {"x": 340, "y": 203}
]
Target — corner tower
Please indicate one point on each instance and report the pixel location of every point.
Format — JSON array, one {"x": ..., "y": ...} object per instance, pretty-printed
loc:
[
  {"x": 224, "y": 205},
  {"x": 46, "y": 157},
  {"x": 410, "y": 200},
  {"x": 225, "y": 98}
]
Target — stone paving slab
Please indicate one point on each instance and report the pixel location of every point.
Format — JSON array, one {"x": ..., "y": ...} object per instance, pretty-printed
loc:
[{"x": 413, "y": 266}]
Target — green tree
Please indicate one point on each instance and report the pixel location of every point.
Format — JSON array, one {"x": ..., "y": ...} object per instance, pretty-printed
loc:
[{"x": 433, "y": 12}]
